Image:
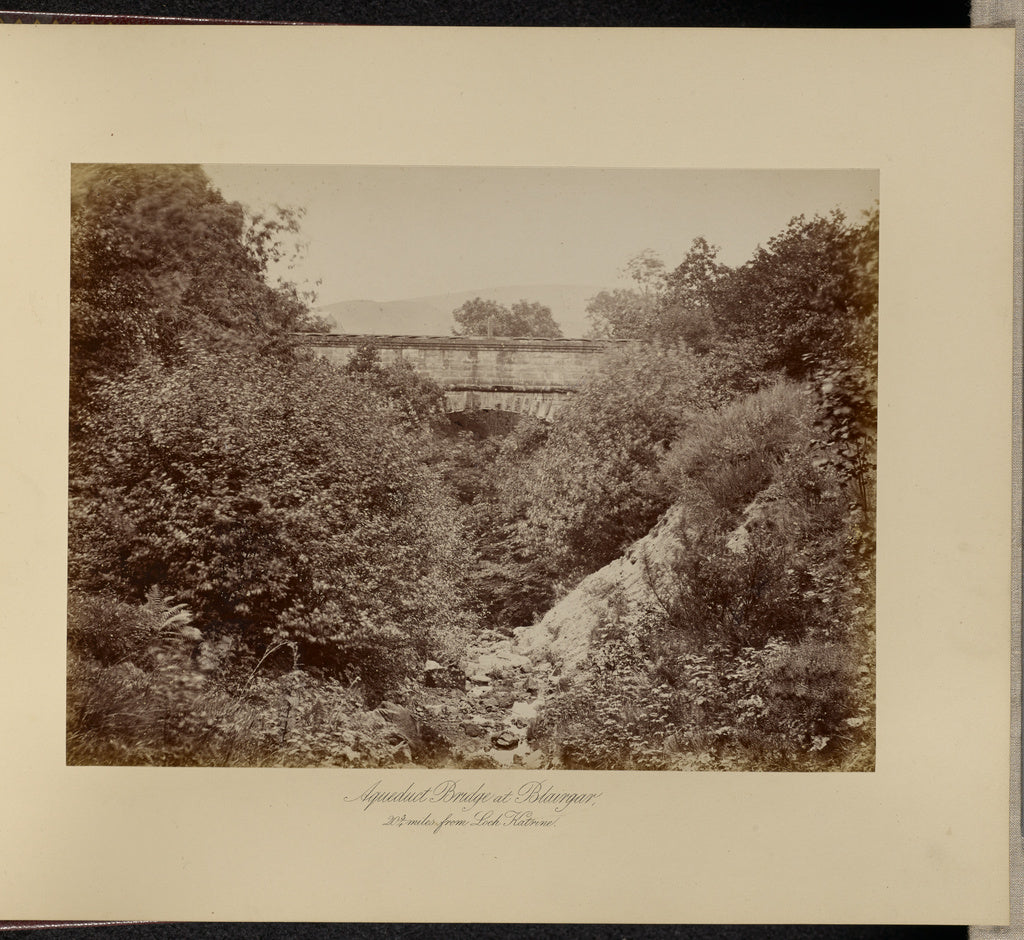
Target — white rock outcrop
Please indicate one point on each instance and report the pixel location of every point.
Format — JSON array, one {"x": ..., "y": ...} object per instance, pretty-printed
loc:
[{"x": 622, "y": 587}]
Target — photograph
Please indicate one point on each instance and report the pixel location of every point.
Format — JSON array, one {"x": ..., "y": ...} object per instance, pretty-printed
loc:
[
  {"x": 476, "y": 467},
  {"x": 507, "y": 476}
]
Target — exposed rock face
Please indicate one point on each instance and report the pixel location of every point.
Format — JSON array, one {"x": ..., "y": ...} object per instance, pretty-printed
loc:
[
  {"x": 505, "y": 680},
  {"x": 621, "y": 587},
  {"x": 483, "y": 712}
]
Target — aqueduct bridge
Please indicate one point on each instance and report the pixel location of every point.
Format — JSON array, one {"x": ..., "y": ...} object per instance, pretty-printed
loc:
[{"x": 526, "y": 375}]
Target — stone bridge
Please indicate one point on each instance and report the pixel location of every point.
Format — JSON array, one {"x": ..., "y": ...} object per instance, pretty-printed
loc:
[{"x": 525, "y": 375}]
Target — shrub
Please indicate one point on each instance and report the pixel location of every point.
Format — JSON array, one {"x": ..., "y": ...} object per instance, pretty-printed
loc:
[
  {"x": 786, "y": 706},
  {"x": 279, "y": 503},
  {"x": 712, "y": 595},
  {"x": 415, "y": 397},
  {"x": 594, "y": 486},
  {"x": 615, "y": 715},
  {"x": 726, "y": 457},
  {"x": 105, "y": 629},
  {"x": 123, "y": 715},
  {"x": 111, "y": 631}
]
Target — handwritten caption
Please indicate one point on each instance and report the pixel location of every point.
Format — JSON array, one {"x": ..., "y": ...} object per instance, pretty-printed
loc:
[{"x": 449, "y": 805}]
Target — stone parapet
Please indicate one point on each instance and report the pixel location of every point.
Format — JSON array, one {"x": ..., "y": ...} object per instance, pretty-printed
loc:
[{"x": 485, "y": 368}]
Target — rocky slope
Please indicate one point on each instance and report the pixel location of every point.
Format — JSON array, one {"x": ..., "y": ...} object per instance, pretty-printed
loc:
[
  {"x": 480, "y": 715},
  {"x": 622, "y": 587}
]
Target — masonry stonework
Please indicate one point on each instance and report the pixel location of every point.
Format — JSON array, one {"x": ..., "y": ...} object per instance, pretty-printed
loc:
[{"x": 533, "y": 376}]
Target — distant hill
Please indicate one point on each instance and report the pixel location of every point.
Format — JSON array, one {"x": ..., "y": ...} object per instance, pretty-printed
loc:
[{"x": 432, "y": 316}]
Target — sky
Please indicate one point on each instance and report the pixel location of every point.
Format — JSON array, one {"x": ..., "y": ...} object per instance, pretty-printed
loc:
[{"x": 394, "y": 233}]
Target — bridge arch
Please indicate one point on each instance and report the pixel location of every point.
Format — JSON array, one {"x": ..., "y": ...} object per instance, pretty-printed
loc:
[{"x": 531, "y": 404}]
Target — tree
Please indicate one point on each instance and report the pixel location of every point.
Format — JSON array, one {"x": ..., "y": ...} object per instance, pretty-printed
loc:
[
  {"x": 647, "y": 271},
  {"x": 846, "y": 377},
  {"x": 479, "y": 317},
  {"x": 690, "y": 305},
  {"x": 663, "y": 308},
  {"x": 162, "y": 264},
  {"x": 802, "y": 295},
  {"x": 629, "y": 313},
  {"x": 622, "y": 313},
  {"x": 530, "y": 318},
  {"x": 418, "y": 398}
]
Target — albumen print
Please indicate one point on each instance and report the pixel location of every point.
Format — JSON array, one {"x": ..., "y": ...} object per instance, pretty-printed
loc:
[{"x": 472, "y": 467}]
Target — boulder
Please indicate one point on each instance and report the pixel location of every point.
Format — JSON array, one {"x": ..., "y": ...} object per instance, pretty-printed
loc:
[
  {"x": 519, "y": 661},
  {"x": 527, "y": 711},
  {"x": 505, "y": 740},
  {"x": 404, "y": 722},
  {"x": 619, "y": 590}
]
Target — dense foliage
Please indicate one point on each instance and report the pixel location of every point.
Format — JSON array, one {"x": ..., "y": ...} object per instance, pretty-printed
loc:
[
  {"x": 267, "y": 553},
  {"x": 282, "y": 503},
  {"x": 418, "y": 399},
  {"x": 757, "y": 646},
  {"x": 595, "y": 486},
  {"x": 278, "y": 503},
  {"x": 756, "y": 650},
  {"x": 161, "y": 264}
]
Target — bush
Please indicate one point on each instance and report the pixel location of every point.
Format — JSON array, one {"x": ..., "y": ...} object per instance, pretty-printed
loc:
[
  {"x": 279, "y": 503},
  {"x": 594, "y": 486},
  {"x": 417, "y": 398},
  {"x": 106, "y": 629},
  {"x": 110, "y": 631},
  {"x": 726, "y": 457},
  {"x": 786, "y": 706},
  {"x": 616, "y": 715},
  {"x": 713, "y": 595},
  {"x": 144, "y": 687},
  {"x": 123, "y": 715}
]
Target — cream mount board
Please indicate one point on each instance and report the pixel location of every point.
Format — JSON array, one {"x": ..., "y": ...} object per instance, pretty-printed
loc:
[{"x": 922, "y": 839}]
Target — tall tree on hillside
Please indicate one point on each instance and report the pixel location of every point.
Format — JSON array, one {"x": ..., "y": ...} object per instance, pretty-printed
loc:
[
  {"x": 479, "y": 317},
  {"x": 803, "y": 294},
  {"x": 692, "y": 301},
  {"x": 162, "y": 264}
]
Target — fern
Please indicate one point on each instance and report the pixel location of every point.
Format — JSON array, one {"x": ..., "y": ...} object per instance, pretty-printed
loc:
[{"x": 167, "y": 617}]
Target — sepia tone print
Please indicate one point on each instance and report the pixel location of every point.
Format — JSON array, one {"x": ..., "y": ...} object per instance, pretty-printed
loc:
[{"x": 472, "y": 467}]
